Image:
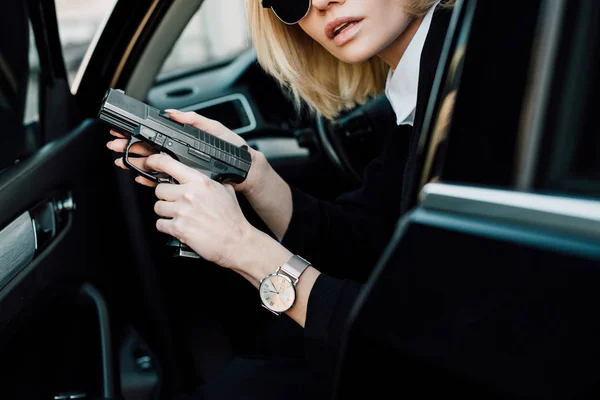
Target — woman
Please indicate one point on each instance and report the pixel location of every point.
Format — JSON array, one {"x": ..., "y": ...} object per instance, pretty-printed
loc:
[{"x": 355, "y": 49}]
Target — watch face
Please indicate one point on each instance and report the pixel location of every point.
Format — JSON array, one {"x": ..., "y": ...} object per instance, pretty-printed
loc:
[{"x": 277, "y": 292}]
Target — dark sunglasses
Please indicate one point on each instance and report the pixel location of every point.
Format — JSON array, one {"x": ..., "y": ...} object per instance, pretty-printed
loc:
[{"x": 288, "y": 11}]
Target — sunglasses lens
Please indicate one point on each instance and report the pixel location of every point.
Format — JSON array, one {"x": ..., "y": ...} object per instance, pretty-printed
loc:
[{"x": 291, "y": 11}]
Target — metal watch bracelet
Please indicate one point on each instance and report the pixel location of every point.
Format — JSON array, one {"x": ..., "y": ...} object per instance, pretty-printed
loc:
[{"x": 294, "y": 267}]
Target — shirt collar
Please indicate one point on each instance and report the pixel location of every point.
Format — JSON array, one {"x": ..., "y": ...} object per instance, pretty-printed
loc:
[{"x": 402, "y": 83}]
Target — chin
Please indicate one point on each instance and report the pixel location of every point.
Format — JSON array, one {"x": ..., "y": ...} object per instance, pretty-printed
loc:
[{"x": 354, "y": 56}]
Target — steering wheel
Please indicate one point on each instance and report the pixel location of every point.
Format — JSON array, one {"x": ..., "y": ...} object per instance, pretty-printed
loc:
[
  {"x": 351, "y": 141},
  {"x": 329, "y": 135}
]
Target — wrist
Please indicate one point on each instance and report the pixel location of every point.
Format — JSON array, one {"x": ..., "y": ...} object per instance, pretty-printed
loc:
[
  {"x": 259, "y": 255},
  {"x": 257, "y": 173}
]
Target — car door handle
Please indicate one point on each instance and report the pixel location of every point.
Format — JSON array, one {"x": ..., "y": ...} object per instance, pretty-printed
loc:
[
  {"x": 17, "y": 247},
  {"x": 49, "y": 217},
  {"x": 30, "y": 233}
]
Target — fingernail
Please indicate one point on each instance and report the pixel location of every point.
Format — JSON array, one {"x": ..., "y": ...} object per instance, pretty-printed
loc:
[
  {"x": 118, "y": 161},
  {"x": 173, "y": 111},
  {"x": 109, "y": 145}
]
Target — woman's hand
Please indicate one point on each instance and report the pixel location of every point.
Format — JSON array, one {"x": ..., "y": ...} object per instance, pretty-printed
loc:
[
  {"x": 267, "y": 192},
  {"x": 206, "y": 216},
  {"x": 140, "y": 150},
  {"x": 208, "y": 125},
  {"x": 200, "y": 212}
]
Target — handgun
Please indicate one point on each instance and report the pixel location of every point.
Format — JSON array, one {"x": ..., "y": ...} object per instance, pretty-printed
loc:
[{"x": 140, "y": 122}]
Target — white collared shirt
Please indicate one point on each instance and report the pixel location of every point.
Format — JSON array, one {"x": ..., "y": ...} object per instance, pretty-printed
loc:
[{"x": 403, "y": 82}]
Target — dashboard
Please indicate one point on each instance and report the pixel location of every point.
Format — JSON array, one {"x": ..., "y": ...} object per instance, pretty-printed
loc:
[{"x": 239, "y": 94}]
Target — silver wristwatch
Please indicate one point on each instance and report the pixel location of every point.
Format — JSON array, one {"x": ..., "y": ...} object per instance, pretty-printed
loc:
[{"x": 278, "y": 290}]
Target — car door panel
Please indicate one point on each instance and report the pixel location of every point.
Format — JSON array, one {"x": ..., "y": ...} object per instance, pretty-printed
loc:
[
  {"x": 499, "y": 310},
  {"x": 67, "y": 263},
  {"x": 61, "y": 198},
  {"x": 63, "y": 177}
]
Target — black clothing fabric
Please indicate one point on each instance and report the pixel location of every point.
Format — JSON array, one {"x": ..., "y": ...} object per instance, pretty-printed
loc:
[
  {"x": 262, "y": 379},
  {"x": 344, "y": 238}
]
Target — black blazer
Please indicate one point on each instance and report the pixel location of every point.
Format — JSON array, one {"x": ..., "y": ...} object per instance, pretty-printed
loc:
[{"x": 344, "y": 238}]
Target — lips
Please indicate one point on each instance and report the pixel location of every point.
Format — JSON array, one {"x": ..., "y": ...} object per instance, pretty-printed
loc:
[{"x": 338, "y": 25}]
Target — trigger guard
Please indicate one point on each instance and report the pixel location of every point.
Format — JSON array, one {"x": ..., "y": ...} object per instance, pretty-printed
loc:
[{"x": 152, "y": 175}]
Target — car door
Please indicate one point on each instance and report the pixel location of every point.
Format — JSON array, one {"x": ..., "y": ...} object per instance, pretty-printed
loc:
[
  {"x": 73, "y": 303},
  {"x": 491, "y": 281}
]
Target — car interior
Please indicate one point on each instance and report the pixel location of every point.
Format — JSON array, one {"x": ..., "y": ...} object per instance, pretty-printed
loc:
[{"x": 94, "y": 304}]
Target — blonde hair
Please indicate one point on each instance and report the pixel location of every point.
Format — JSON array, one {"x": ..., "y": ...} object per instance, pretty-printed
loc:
[
  {"x": 420, "y": 7},
  {"x": 308, "y": 72}
]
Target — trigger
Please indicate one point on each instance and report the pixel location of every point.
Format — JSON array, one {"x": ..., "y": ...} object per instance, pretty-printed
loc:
[{"x": 133, "y": 140}]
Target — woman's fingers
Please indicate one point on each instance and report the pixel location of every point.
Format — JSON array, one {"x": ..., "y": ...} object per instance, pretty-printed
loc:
[
  {"x": 179, "y": 171},
  {"x": 229, "y": 188},
  {"x": 165, "y": 209},
  {"x": 144, "y": 181},
  {"x": 119, "y": 146},
  {"x": 117, "y": 134},
  {"x": 169, "y": 192},
  {"x": 211, "y": 126},
  {"x": 139, "y": 163},
  {"x": 165, "y": 226},
  {"x": 191, "y": 118}
]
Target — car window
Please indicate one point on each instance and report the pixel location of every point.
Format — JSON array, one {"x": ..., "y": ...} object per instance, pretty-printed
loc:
[
  {"x": 19, "y": 85},
  {"x": 568, "y": 161},
  {"x": 32, "y": 105},
  {"x": 217, "y": 32},
  {"x": 78, "y": 23}
]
